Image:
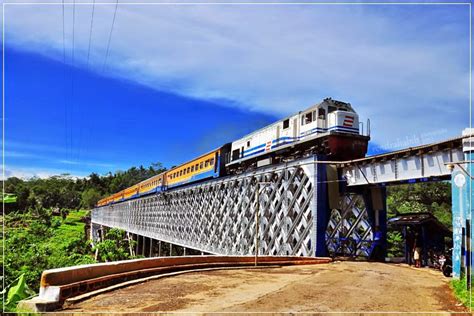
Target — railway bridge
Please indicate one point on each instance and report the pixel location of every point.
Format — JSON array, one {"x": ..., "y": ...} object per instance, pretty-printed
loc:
[{"x": 297, "y": 208}]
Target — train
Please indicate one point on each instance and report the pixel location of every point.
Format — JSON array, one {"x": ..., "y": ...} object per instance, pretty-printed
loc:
[{"x": 330, "y": 128}]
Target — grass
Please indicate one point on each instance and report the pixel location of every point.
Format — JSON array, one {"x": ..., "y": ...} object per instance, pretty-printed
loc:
[
  {"x": 459, "y": 287},
  {"x": 70, "y": 230},
  {"x": 60, "y": 244}
]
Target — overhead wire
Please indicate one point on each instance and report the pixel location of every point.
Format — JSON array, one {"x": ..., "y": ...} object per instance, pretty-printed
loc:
[
  {"x": 66, "y": 125},
  {"x": 72, "y": 74},
  {"x": 90, "y": 33},
  {"x": 87, "y": 67},
  {"x": 110, "y": 37}
]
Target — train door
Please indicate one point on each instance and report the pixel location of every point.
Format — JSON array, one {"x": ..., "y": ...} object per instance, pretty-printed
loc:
[
  {"x": 216, "y": 161},
  {"x": 278, "y": 132}
]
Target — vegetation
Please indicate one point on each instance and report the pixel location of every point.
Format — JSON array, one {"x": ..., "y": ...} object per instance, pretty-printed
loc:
[
  {"x": 459, "y": 287},
  {"x": 432, "y": 197},
  {"x": 65, "y": 192},
  {"x": 45, "y": 227}
]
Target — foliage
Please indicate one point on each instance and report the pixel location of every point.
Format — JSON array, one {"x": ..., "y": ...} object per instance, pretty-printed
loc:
[
  {"x": 432, "y": 197},
  {"x": 18, "y": 290},
  {"x": 33, "y": 244},
  {"x": 114, "y": 247},
  {"x": 90, "y": 197},
  {"x": 459, "y": 287},
  {"x": 65, "y": 192},
  {"x": 44, "y": 230},
  {"x": 395, "y": 244}
]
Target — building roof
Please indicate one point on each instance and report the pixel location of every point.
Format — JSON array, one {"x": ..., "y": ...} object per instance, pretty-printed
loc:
[{"x": 418, "y": 219}]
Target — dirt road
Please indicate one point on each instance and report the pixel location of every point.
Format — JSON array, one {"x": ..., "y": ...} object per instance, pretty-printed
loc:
[{"x": 336, "y": 287}]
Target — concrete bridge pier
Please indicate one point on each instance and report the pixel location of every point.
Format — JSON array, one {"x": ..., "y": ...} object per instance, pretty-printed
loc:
[{"x": 462, "y": 208}]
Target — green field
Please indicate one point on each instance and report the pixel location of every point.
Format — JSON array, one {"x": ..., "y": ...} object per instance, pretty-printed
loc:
[{"x": 34, "y": 243}]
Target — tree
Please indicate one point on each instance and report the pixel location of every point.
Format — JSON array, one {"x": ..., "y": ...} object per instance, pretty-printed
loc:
[
  {"x": 432, "y": 197},
  {"x": 90, "y": 197},
  {"x": 114, "y": 247}
]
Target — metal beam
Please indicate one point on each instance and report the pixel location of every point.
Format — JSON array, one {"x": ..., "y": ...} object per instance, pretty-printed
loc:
[{"x": 429, "y": 162}]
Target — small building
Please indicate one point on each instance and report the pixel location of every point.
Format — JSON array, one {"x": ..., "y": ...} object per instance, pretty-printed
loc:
[{"x": 424, "y": 230}]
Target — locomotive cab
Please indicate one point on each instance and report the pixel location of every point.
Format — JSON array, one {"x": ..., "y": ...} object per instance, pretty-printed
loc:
[{"x": 329, "y": 116}]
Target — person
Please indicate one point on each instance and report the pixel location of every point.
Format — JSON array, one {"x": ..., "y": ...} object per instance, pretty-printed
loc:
[
  {"x": 417, "y": 251},
  {"x": 409, "y": 245},
  {"x": 377, "y": 252}
]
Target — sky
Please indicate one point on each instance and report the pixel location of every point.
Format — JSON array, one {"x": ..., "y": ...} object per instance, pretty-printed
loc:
[{"x": 179, "y": 80}]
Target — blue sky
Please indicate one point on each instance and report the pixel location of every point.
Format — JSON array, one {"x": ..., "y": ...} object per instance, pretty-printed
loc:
[{"x": 181, "y": 80}]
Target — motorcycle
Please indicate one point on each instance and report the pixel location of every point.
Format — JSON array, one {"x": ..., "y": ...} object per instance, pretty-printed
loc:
[{"x": 446, "y": 263}]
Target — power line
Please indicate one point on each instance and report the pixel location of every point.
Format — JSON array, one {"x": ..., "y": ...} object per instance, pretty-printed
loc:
[
  {"x": 64, "y": 81},
  {"x": 73, "y": 26},
  {"x": 90, "y": 33},
  {"x": 87, "y": 67},
  {"x": 110, "y": 37},
  {"x": 64, "y": 37},
  {"x": 72, "y": 74}
]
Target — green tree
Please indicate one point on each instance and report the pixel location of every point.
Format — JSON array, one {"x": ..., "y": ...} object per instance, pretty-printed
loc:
[
  {"x": 90, "y": 197},
  {"x": 114, "y": 247},
  {"x": 432, "y": 197}
]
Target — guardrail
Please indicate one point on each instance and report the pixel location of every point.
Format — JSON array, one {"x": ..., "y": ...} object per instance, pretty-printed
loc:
[{"x": 57, "y": 285}]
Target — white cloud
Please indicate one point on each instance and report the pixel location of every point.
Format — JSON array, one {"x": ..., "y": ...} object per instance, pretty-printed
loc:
[
  {"x": 28, "y": 173},
  {"x": 403, "y": 69}
]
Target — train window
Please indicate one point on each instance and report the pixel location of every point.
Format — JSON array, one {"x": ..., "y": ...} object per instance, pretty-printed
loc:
[
  {"x": 321, "y": 114},
  {"x": 206, "y": 163},
  {"x": 212, "y": 161},
  {"x": 180, "y": 173},
  {"x": 188, "y": 170},
  {"x": 331, "y": 109},
  {"x": 307, "y": 118},
  {"x": 196, "y": 167},
  {"x": 192, "y": 168},
  {"x": 286, "y": 123},
  {"x": 201, "y": 165},
  {"x": 248, "y": 143},
  {"x": 235, "y": 154}
]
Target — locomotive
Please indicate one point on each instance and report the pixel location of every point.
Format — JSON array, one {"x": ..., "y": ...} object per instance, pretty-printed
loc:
[{"x": 330, "y": 128}]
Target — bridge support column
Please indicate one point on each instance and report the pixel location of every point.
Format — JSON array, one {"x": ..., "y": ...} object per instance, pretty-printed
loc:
[
  {"x": 151, "y": 254},
  {"x": 144, "y": 244},
  {"x": 320, "y": 208},
  {"x": 375, "y": 201},
  {"x": 95, "y": 233},
  {"x": 139, "y": 244},
  {"x": 461, "y": 207}
]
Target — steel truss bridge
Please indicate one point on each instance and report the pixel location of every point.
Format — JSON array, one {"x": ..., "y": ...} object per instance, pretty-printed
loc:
[{"x": 304, "y": 207}]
